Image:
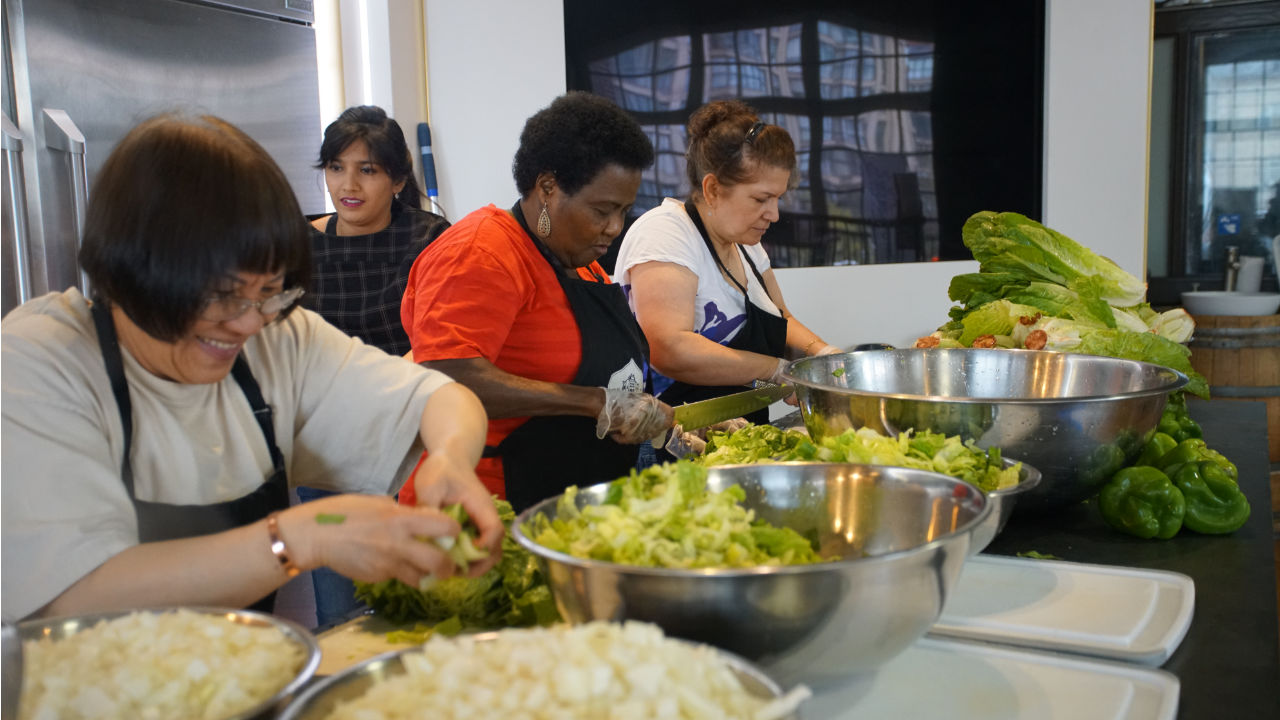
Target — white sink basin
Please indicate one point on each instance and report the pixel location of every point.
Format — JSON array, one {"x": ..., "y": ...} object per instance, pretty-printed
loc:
[{"x": 1217, "y": 302}]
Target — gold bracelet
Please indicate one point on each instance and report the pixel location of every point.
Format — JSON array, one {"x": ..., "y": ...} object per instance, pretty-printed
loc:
[
  {"x": 811, "y": 344},
  {"x": 277, "y": 545}
]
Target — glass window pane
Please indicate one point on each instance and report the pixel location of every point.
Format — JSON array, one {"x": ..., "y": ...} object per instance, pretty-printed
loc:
[{"x": 837, "y": 41}]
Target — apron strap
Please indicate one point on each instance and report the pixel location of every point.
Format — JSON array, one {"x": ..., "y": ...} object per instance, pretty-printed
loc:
[
  {"x": 692, "y": 210},
  {"x": 109, "y": 344},
  {"x": 261, "y": 410}
]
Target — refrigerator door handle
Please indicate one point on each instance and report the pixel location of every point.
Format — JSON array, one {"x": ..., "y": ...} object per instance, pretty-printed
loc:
[
  {"x": 16, "y": 199},
  {"x": 61, "y": 133}
]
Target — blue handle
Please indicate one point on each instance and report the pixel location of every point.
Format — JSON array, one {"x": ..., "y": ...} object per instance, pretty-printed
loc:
[{"x": 428, "y": 162}]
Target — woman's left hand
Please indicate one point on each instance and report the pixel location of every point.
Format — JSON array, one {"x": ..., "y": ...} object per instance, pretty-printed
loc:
[{"x": 443, "y": 479}]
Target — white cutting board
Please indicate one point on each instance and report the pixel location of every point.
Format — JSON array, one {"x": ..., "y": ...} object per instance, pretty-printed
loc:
[
  {"x": 939, "y": 678},
  {"x": 1105, "y": 611}
]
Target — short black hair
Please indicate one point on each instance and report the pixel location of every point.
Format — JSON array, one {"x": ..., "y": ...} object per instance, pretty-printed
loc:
[
  {"x": 574, "y": 138},
  {"x": 180, "y": 204},
  {"x": 385, "y": 141}
]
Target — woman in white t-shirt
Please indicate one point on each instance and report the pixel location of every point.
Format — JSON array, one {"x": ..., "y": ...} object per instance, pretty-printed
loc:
[
  {"x": 150, "y": 436},
  {"x": 696, "y": 276}
]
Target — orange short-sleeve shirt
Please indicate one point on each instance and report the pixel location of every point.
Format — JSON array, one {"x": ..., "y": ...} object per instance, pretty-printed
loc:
[{"x": 482, "y": 289}]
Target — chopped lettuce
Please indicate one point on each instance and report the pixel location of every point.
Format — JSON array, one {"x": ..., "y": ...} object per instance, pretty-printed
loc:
[
  {"x": 664, "y": 516},
  {"x": 922, "y": 450},
  {"x": 513, "y": 593}
]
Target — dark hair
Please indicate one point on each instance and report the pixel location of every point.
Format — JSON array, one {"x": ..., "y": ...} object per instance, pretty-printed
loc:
[
  {"x": 180, "y": 204},
  {"x": 385, "y": 141},
  {"x": 574, "y": 138},
  {"x": 719, "y": 145}
]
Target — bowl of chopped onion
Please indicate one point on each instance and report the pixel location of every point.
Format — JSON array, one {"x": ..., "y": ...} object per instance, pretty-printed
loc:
[
  {"x": 625, "y": 671},
  {"x": 184, "y": 662},
  {"x": 814, "y": 571}
]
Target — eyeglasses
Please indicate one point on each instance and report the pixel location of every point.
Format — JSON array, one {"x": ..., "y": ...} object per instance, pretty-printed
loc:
[
  {"x": 224, "y": 308},
  {"x": 753, "y": 132}
]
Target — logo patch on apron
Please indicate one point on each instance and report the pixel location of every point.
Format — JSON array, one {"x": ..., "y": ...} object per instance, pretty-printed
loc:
[{"x": 627, "y": 377}]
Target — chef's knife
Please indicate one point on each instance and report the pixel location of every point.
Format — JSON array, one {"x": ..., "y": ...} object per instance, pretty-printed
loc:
[{"x": 692, "y": 416}]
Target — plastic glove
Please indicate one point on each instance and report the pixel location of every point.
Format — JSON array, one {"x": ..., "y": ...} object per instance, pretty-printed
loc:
[
  {"x": 632, "y": 417},
  {"x": 776, "y": 377},
  {"x": 728, "y": 426},
  {"x": 683, "y": 444},
  {"x": 828, "y": 350}
]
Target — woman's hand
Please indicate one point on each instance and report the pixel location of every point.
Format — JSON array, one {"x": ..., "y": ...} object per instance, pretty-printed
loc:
[
  {"x": 453, "y": 429},
  {"x": 444, "y": 479},
  {"x": 369, "y": 538},
  {"x": 632, "y": 417}
]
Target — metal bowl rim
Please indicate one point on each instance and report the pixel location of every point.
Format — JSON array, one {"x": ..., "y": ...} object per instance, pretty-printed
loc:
[
  {"x": 546, "y": 553},
  {"x": 1179, "y": 381},
  {"x": 325, "y": 683},
  {"x": 291, "y": 629}
]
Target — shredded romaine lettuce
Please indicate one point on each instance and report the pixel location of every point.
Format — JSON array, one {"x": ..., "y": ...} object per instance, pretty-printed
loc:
[
  {"x": 664, "y": 516},
  {"x": 922, "y": 449}
]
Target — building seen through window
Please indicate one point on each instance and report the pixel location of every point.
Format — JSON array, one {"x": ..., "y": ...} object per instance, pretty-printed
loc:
[{"x": 857, "y": 85}]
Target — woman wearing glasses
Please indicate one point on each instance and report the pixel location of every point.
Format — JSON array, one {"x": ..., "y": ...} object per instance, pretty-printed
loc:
[
  {"x": 149, "y": 437},
  {"x": 697, "y": 278}
]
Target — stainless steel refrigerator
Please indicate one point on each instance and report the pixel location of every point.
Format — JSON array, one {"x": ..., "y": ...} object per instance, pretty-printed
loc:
[{"x": 78, "y": 74}]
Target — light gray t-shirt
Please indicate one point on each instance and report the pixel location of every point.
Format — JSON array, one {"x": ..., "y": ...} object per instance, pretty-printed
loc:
[{"x": 346, "y": 418}]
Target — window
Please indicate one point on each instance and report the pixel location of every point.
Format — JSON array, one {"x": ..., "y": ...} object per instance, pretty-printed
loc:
[
  {"x": 856, "y": 84},
  {"x": 1215, "y": 150}
]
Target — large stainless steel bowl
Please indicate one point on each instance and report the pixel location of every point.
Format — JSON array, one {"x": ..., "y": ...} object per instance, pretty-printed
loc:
[
  {"x": 63, "y": 627},
  {"x": 901, "y": 536},
  {"x": 1075, "y": 418},
  {"x": 319, "y": 700}
]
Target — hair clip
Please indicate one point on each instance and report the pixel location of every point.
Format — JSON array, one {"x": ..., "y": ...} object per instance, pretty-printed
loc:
[{"x": 754, "y": 131}]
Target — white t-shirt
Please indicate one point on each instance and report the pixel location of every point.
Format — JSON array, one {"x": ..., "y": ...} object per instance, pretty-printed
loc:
[
  {"x": 667, "y": 234},
  {"x": 346, "y": 418}
]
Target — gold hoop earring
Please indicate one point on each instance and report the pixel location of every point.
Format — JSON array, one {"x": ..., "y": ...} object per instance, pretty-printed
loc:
[{"x": 544, "y": 223}]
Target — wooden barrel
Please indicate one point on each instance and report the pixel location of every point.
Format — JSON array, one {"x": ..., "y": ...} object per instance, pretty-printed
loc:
[{"x": 1240, "y": 357}]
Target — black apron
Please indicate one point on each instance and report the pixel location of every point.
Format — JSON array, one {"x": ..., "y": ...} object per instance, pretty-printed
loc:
[
  {"x": 762, "y": 332},
  {"x": 160, "y": 521},
  {"x": 549, "y": 453}
]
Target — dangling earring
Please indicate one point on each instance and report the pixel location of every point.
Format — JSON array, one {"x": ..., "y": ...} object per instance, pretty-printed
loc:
[{"x": 544, "y": 223}]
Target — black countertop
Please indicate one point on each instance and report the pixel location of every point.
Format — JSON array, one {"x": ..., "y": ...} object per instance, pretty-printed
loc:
[{"x": 1229, "y": 663}]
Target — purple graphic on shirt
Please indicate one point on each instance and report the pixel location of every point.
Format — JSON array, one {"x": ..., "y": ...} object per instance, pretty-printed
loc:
[{"x": 716, "y": 326}]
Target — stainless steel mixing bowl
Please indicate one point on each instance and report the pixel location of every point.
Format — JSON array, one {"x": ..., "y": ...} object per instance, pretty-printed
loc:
[
  {"x": 1002, "y": 502},
  {"x": 62, "y": 627},
  {"x": 901, "y": 536},
  {"x": 1075, "y": 418},
  {"x": 319, "y": 700}
]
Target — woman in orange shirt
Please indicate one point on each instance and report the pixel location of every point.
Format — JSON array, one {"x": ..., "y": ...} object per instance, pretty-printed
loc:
[{"x": 513, "y": 304}]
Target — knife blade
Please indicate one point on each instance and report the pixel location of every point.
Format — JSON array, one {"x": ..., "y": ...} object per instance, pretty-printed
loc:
[{"x": 694, "y": 415}]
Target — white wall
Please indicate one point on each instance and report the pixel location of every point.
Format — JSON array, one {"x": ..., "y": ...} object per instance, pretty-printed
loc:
[{"x": 492, "y": 64}]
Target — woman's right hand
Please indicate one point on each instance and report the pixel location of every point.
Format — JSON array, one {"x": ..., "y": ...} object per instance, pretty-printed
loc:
[
  {"x": 370, "y": 538},
  {"x": 632, "y": 417}
]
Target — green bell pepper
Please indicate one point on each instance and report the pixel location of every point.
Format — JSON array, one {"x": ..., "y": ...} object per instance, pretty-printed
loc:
[
  {"x": 1142, "y": 501},
  {"x": 1194, "y": 450},
  {"x": 1214, "y": 502},
  {"x": 1159, "y": 444},
  {"x": 1175, "y": 421}
]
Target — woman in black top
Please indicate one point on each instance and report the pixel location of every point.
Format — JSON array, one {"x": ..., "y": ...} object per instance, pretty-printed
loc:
[
  {"x": 362, "y": 253},
  {"x": 361, "y": 256}
]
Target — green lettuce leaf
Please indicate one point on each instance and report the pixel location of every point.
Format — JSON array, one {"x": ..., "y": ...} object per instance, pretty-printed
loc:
[
  {"x": 511, "y": 594},
  {"x": 1014, "y": 244},
  {"x": 1146, "y": 347}
]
